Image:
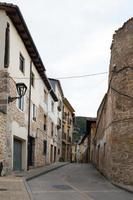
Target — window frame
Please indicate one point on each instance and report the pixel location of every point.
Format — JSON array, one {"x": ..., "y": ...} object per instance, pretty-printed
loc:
[
  {"x": 45, "y": 122},
  {"x": 34, "y": 112},
  {"x": 45, "y": 96},
  {"x": 52, "y": 129},
  {"x": 44, "y": 147},
  {"x": 21, "y": 63},
  {"x": 21, "y": 103},
  {"x": 52, "y": 106},
  {"x": 32, "y": 79}
]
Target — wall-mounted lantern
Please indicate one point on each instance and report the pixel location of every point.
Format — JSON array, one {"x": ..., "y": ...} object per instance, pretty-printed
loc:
[{"x": 21, "y": 90}]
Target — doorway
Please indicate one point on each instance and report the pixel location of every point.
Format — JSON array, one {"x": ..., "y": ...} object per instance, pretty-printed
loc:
[
  {"x": 54, "y": 154},
  {"x": 51, "y": 153},
  {"x": 17, "y": 155},
  {"x": 31, "y": 151}
]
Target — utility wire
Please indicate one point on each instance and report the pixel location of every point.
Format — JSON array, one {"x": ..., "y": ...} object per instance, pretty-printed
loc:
[
  {"x": 65, "y": 77},
  {"x": 82, "y": 76}
]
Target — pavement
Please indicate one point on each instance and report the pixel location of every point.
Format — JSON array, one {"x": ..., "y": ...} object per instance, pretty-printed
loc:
[
  {"x": 128, "y": 188},
  {"x": 76, "y": 182},
  {"x": 15, "y": 187},
  {"x": 26, "y": 185},
  {"x": 12, "y": 188}
]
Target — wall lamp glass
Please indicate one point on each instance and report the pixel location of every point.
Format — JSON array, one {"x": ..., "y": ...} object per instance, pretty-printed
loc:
[{"x": 21, "y": 90}]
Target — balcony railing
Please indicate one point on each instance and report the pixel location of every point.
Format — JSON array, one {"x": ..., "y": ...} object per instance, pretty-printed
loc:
[{"x": 59, "y": 123}]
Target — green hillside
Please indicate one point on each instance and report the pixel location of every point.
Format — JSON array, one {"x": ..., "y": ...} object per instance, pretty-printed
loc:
[{"x": 79, "y": 128}]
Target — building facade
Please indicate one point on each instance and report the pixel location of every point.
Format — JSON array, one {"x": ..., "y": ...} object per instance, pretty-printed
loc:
[
  {"x": 23, "y": 133},
  {"x": 112, "y": 143},
  {"x": 67, "y": 130},
  {"x": 56, "y": 141},
  {"x": 84, "y": 145}
]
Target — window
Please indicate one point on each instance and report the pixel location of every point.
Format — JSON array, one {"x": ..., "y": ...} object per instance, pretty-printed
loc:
[
  {"x": 21, "y": 63},
  {"x": 32, "y": 79},
  {"x": 104, "y": 151},
  {"x": 44, "y": 147},
  {"x": 52, "y": 106},
  {"x": 52, "y": 129},
  {"x": 45, "y": 96},
  {"x": 58, "y": 151},
  {"x": 59, "y": 105},
  {"x": 45, "y": 122},
  {"x": 21, "y": 103},
  {"x": 7, "y": 46},
  {"x": 34, "y": 112},
  {"x": 68, "y": 116}
]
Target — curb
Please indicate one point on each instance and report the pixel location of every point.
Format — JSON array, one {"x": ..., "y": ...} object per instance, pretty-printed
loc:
[
  {"x": 28, "y": 189},
  {"x": 44, "y": 172},
  {"x": 26, "y": 179},
  {"x": 127, "y": 188}
]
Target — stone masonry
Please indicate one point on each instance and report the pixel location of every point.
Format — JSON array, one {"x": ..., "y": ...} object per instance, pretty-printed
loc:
[
  {"x": 8, "y": 114},
  {"x": 113, "y": 142},
  {"x": 5, "y": 136}
]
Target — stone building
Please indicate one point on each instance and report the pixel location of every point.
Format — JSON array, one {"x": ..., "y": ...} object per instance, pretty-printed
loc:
[
  {"x": 113, "y": 140},
  {"x": 67, "y": 130},
  {"x": 23, "y": 123},
  {"x": 84, "y": 144},
  {"x": 74, "y": 152}
]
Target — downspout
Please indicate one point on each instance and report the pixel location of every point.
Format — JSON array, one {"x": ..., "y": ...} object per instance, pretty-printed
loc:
[{"x": 29, "y": 117}]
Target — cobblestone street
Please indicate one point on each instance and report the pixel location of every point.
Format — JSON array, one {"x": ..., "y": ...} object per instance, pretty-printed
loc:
[{"x": 76, "y": 182}]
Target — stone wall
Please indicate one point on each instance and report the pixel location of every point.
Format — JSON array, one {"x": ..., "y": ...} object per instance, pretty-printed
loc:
[
  {"x": 9, "y": 113},
  {"x": 37, "y": 128},
  {"x": 114, "y": 133},
  {"x": 5, "y": 136}
]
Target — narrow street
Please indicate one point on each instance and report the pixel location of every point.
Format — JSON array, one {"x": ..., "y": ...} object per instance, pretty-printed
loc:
[{"x": 76, "y": 182}]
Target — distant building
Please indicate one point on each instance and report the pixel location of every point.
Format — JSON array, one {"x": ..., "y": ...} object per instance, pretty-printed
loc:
[
  {"x": 84, "y": 145},
  {"x": 56, "y": 143},
  {"x": 74, "y": 152},
  {"x": 67, "y": 130}
]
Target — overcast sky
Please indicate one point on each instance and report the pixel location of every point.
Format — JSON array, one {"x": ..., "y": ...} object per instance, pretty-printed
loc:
[{"x": 74, "y": 37}]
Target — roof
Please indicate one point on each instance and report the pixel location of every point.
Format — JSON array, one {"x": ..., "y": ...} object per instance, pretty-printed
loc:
[
  {"x": 16, "y": 17},
  {"x": 13, "y": 12},
  {"x": 91, "y": 119},
  {"x": 67, "y": 103},
  {"x": 59, "y": 84}
]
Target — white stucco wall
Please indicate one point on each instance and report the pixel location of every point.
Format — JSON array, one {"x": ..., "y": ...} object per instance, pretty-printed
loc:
[
  {"x": 37, "y": 93},
  {"x": 3, "y": 24}
]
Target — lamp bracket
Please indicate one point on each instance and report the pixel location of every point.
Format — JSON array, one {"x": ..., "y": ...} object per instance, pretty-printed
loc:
[{"x": 11, "y": 99}]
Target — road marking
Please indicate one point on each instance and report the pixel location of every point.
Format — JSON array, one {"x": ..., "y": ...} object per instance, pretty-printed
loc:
[
  {"x": 79, "y": 191},
  {"x": 53, "y": 191}
]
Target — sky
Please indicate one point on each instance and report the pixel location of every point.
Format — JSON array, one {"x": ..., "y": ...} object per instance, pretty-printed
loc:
[{"x": 73, "y": 38}]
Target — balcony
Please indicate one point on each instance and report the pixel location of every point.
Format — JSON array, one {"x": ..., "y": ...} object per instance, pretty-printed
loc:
[{"x": 59, "y": 124}]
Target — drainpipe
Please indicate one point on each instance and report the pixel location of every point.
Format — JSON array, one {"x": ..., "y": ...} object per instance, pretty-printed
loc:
[{"x": 29, "y": 117}]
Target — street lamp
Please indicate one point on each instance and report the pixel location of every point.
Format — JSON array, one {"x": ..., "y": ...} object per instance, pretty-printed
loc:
[{"x": 21, "y": 90}]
